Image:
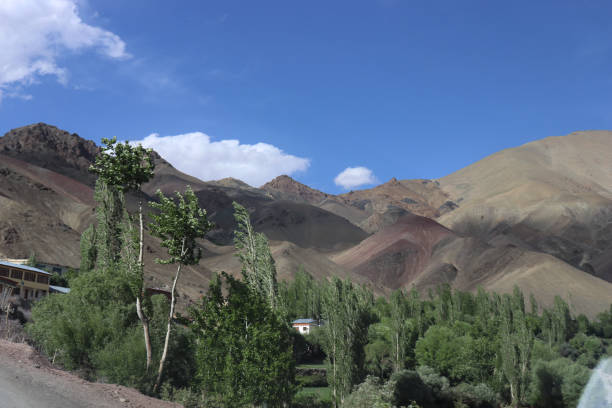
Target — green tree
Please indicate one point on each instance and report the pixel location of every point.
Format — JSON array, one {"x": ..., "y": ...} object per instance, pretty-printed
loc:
[
  {"x": 371, "y": 393},
  {"x": 88, "y": 249},
  {"x": 120, "y": 168},
  {"x": 516, "y": 340},
  {"x": 32, "y": 260},
  {"x": 243, "y": 349},
  {"x": 346, "y": 314},
  {"x": 447, "y": 351},
  {"x": 178, "y": 224},
  {"x": 301, "y": 298},
  {"x": 258, "y": 266},
  {"x": 400, "y": 330},
  {"x": 379, "y": 351}
]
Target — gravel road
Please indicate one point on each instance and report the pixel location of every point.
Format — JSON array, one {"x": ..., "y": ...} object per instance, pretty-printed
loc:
[{"x": 27, "y": 380}]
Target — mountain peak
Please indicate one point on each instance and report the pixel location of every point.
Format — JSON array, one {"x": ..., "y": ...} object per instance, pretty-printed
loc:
[
  {"x": 49, "y": 147},
  {"x": 230, "y": 182},
  {"x": 285, "y": 187}
]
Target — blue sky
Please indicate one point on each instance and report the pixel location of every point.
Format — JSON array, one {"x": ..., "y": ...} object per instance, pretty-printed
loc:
[{"x": 406, "y": 89}]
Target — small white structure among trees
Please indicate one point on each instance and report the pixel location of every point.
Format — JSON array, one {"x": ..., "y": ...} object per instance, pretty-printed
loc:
[{"x": 304, "y": 326}]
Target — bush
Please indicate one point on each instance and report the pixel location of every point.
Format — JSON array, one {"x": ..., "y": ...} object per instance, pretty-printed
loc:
[
  {"x": 123, "y": 360},
  {"x": 589, "y": 349},
  {"x": 439, "y": 386},
  {"x": 407, "y": 386},
  {"x": 545, "y": 387},
  {"x": 558, "y": 383},
  {"x": 371, "y": 393},
  {"x": 474, "y": 396}
]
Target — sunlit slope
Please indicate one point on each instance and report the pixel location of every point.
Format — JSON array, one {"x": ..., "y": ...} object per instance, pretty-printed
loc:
[{"x": 553, "y": 196}]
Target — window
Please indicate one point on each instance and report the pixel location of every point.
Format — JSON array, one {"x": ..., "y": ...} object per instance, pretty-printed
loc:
[
  {"x": 43, "y": 279},
  {"x": 4, "y": 272},
  {"x": 30, "y": 276},
  {"x": 16, "y": 274}
]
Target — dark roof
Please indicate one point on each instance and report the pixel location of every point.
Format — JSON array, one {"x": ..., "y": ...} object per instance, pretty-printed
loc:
[
  {"x": 304, "y": 321},
  {"x": 25, "y": 267},
  {"x": 8, "y": 282}
]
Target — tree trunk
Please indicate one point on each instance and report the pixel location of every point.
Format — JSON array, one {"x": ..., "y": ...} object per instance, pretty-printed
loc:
[
  {"x": 397, "y": 352},
  {"x": 169, "y": 328},
  {"x": 140, "y": 296},
  {"x": 335, "y": 379}
]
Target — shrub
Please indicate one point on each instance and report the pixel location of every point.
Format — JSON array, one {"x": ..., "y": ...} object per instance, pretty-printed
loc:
[
  {"x": 371, "y": 393},
  {"x": 558, "y": 383},
  {"x": 474, "y": 396},
  {"x": 408, "y": 386}
]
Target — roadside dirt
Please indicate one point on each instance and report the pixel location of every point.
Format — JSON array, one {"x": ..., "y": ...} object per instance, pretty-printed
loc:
[{"x": 27, "y": 380}]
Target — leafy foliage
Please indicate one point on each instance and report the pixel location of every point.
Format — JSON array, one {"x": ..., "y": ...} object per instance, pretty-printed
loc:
[
  {"x": 122, "y": 165},
  {"x": 243, "y": 350},
  {"x": 179, "y": 223},
  {"x": 258, "y": 266}
]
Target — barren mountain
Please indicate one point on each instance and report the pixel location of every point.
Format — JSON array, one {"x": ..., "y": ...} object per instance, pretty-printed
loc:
[
  {"x": 371, "y": 209},
  {"x": 46, "y": 201},
  {"x": 539, "y": 216},
  {"x": 395, "y": 256},
  {"x": 552, "y": 196},
  {"x": 287, "y": 189}
]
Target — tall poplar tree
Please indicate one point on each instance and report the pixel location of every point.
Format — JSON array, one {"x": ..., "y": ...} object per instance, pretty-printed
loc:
[
  {"x": 516, "y": 346},
  {"x": 399, "y": 327},
  {"x": 345, "y": 311},
  {"x": 122, "y": 168},
  {"x": 258, "y": 266},
  {"x": 179, "y": 223}
]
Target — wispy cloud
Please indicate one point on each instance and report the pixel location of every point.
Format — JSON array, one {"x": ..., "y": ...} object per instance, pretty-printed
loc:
[
  {"x": 34, "y": 34},
  {"x": 352, "y": 177},
  {"x": 196, "y": 154}
]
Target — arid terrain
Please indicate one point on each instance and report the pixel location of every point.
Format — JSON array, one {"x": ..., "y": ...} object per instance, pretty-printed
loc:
[
  {"x": 538, "y": 216},
  {"x": 28, "y": 380}
]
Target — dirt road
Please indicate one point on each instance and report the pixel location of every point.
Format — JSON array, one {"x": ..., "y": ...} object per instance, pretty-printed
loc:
[{"x": 28, "y": 381}]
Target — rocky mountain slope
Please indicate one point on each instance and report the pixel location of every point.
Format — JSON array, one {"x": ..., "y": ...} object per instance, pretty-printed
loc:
[
  {"x": 539, "y": 216},
  {"x": 46, "y": 201}
]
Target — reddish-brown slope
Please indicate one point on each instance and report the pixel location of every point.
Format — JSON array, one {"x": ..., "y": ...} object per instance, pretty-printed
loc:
[{"x": 396, "y": 255}]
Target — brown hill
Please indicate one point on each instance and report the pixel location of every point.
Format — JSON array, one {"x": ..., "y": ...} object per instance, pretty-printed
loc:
[
  {"x": 370, "y": 209},
  {"x": 386, "y": 203},
  {"x": 395, "y": 256},
  {"x": 287, "y": 189},
  {"x": 46, "y": 201},
  {"x": 552, "y": 196},
  {"x": 539, "y": 216}
]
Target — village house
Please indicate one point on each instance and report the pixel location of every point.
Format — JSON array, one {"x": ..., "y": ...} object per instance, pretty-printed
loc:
[
  {"x": 31, "y": 283},
  {"x": 47, "y": 266},
  {"x": 304, "y": 326}
]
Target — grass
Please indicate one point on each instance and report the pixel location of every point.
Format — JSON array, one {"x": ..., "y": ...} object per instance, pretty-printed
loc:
[{"x": 323, "y": 393}]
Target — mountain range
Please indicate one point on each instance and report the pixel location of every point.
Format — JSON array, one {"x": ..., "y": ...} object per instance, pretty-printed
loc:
[{"x": 538, "y": 216}]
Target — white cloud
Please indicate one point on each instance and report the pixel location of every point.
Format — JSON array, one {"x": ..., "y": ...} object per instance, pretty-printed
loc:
[
  {"x": 35, "y": 33},
  {"x": 195, "y": 154},
  {"x": 352, "y": 177}
]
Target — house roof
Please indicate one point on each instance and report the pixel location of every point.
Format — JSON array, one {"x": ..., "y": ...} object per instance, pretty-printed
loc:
[
  {"x": 24, "y": 267},
  {"x": 60, "y": 289},
  {"x": 304, "y": 321}
]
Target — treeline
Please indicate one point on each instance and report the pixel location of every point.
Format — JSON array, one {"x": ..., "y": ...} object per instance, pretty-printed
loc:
[
  {"x": 449, "y": 348},
  {"x": 236, "y": 348}
]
